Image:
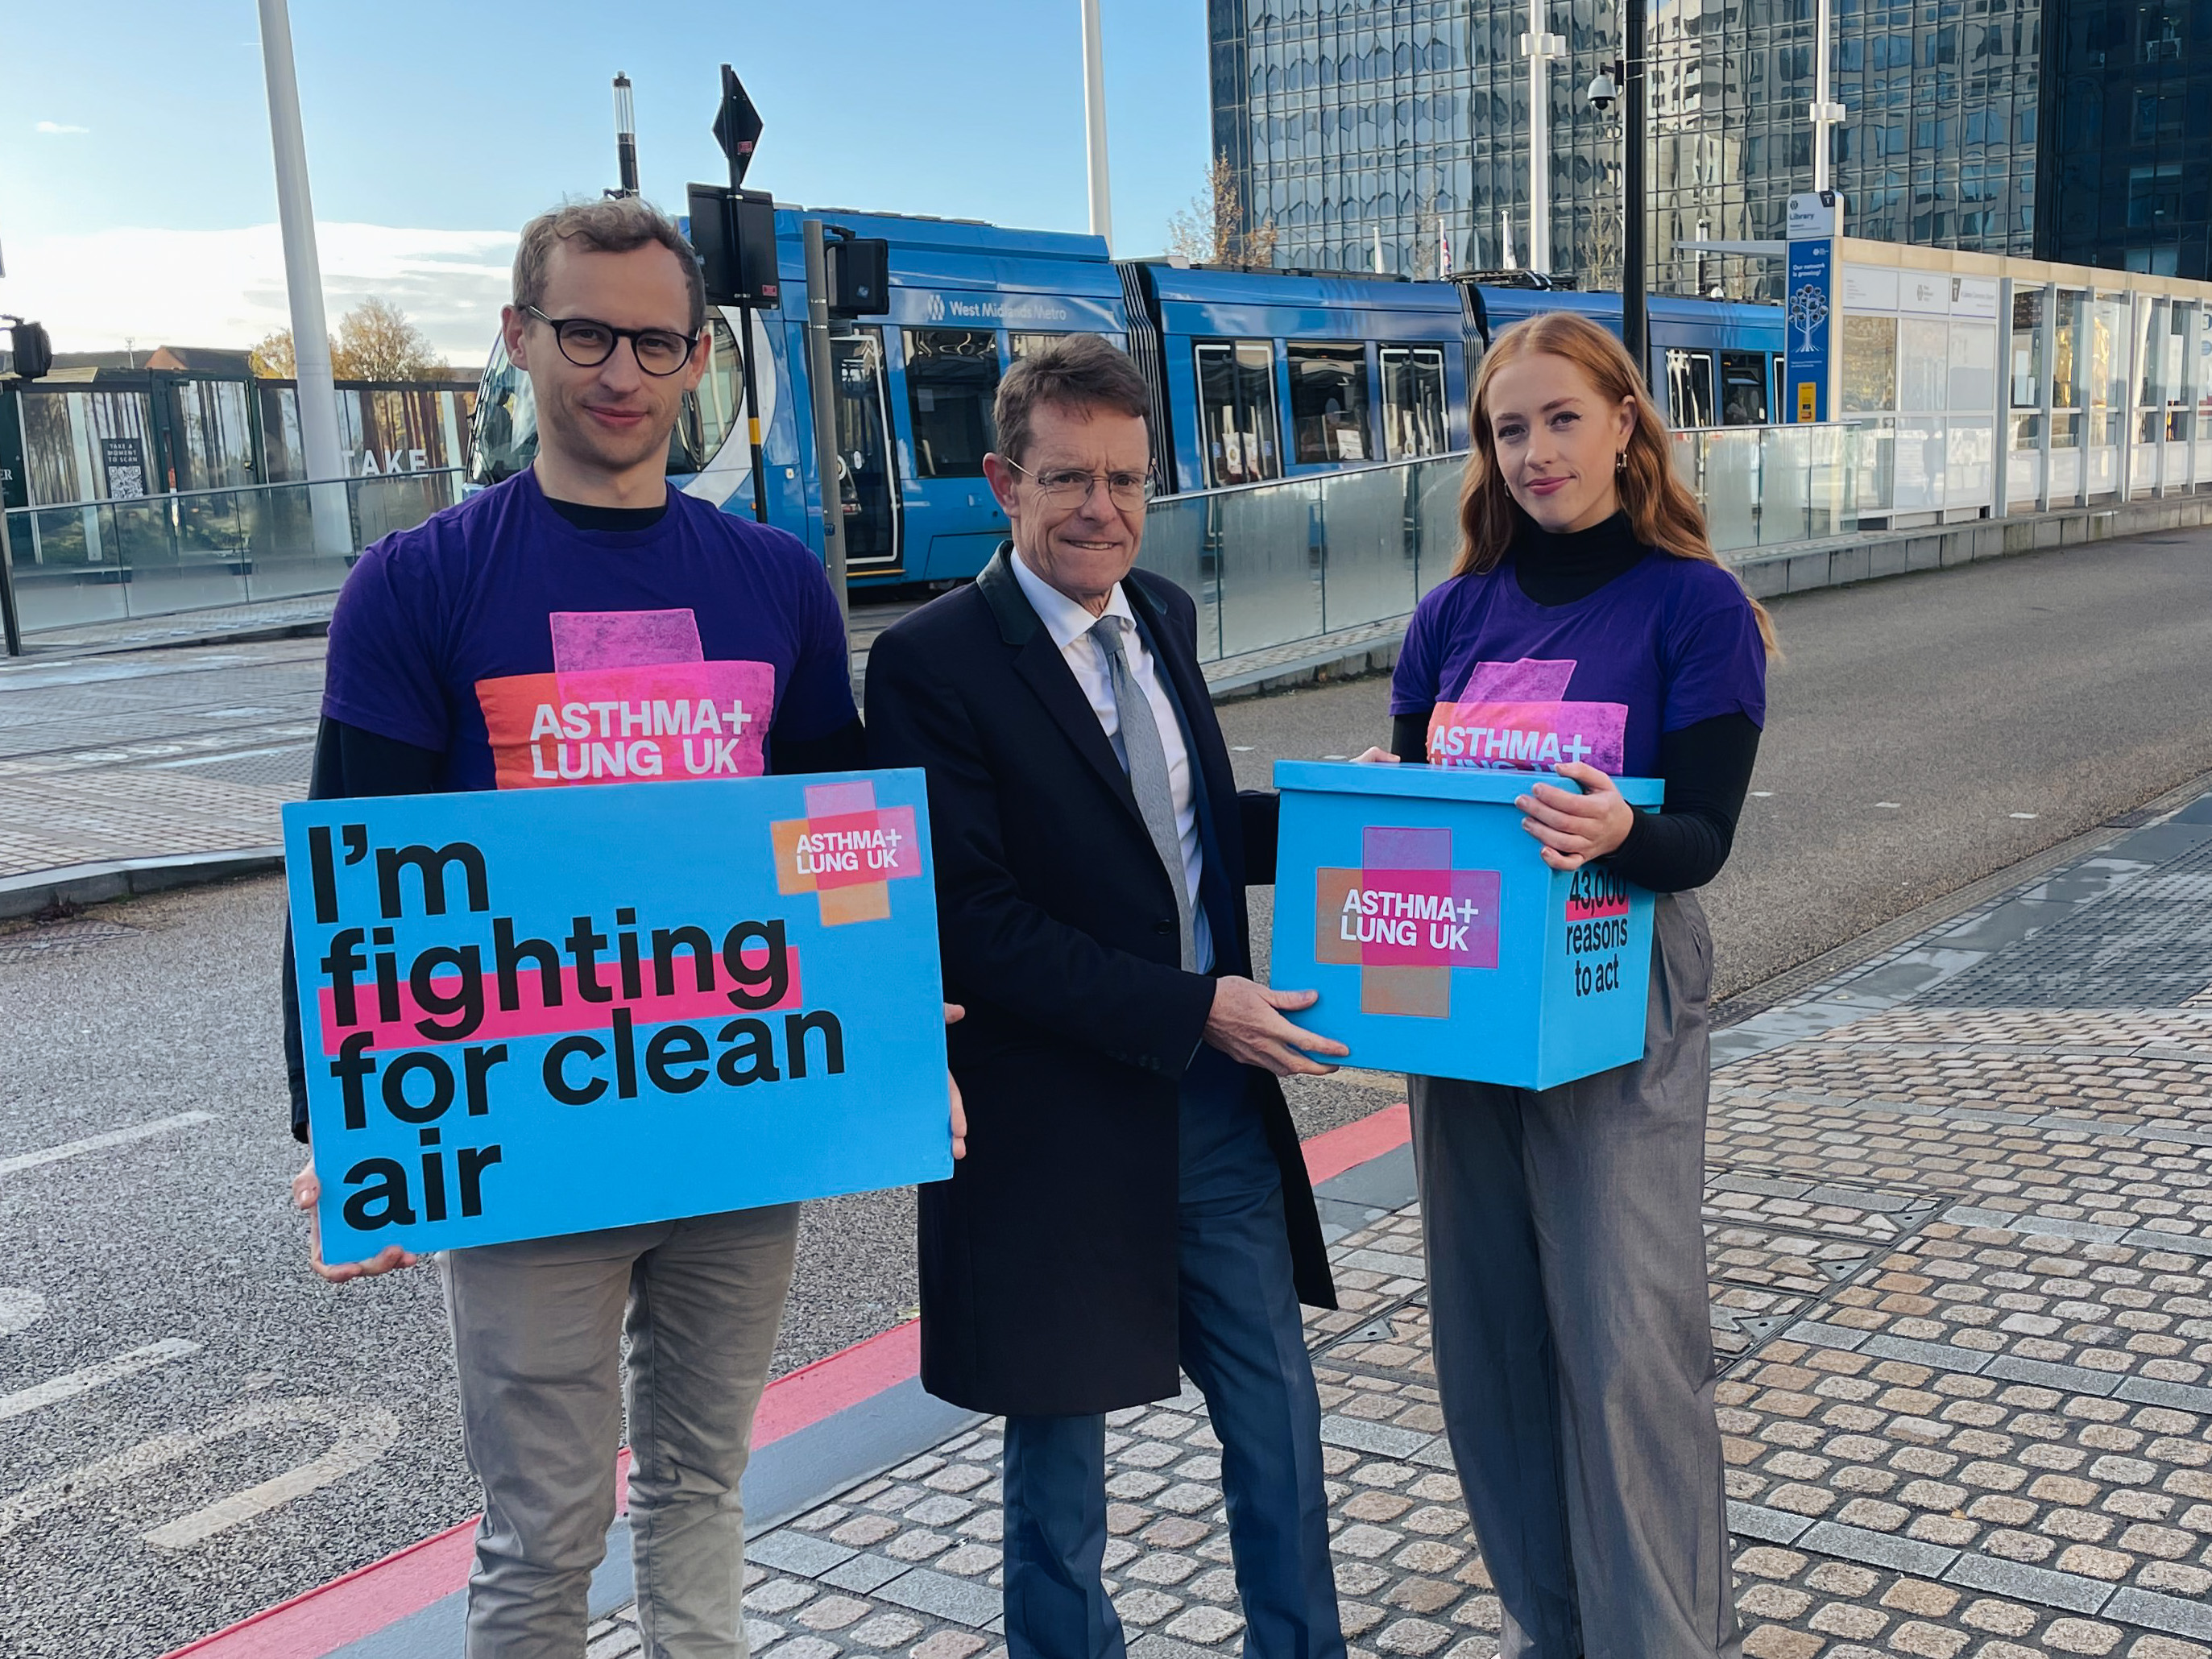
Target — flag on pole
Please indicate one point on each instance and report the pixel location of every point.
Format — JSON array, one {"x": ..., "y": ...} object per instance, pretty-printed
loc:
[
  {"x": 1505, "y": 234},
  {"x": 1443, "y": 248},
  {"x": 1377, "y": 228}
]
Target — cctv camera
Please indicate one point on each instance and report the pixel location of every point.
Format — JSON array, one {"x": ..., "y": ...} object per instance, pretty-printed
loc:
[{"x": 1602, "y": 92}]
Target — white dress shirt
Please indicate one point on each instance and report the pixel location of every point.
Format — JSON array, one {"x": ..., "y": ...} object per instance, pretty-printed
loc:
[{"x": 1070, "y": 626}]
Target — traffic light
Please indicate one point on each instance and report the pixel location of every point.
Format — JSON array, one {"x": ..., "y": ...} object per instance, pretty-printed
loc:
[
  {"x": 734, "y": 232},
  {"x": 33, "y": 353},
  {"x": 859, "y": 274}
]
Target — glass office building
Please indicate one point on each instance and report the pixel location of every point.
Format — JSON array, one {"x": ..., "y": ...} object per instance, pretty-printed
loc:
[
  {"x": 1408, "y": 122},
  {"x": 2072, "y": 129},
  {"x": 2130, "y": 88}
]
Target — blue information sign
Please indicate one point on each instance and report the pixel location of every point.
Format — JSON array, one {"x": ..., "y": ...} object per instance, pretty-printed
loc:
[
  {"x": 1808, "y": 309},
  {"x": 527, "y": 1013}
]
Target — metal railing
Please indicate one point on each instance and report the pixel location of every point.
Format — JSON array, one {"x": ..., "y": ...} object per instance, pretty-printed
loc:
[
  {"x": 156, "y": 556},
  {"x": 1273, "y": 564}
]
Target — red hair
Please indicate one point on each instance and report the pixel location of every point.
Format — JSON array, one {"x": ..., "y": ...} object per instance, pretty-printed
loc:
[{"x": 1662, "y": 512}]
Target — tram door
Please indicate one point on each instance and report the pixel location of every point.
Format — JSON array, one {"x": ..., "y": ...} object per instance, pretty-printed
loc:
[{"x": 864, "y": 453}]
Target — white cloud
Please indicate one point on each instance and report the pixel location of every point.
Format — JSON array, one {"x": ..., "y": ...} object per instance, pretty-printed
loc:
[
  {"x": 226, "y": 288},
  {"x": 58, "y": 126}
]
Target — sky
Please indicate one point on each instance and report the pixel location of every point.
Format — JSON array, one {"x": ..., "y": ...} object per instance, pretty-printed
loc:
[{"x": 138, "y": 203}]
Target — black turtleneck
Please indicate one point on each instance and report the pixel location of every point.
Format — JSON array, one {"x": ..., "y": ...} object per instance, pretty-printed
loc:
[
  {"x": 1706, "y": 767},
  {"x": 1568, "y": 567}
]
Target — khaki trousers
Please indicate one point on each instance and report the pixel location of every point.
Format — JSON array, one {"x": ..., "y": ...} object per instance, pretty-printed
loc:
[{"x": 537, "y": 1329}]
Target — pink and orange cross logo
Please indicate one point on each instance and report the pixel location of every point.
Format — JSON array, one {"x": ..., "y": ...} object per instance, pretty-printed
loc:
[
  {"x": 1405, "y": 919},
  {"x": 846, "y": 851}
]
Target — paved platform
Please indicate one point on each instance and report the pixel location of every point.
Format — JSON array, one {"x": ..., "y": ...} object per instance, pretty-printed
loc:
[
  {"x": 1960, "y": 1243},
  {"x": 1959, "y": 1232}
]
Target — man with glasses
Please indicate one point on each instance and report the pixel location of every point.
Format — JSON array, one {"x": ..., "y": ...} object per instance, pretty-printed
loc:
[
  {"x": 514, "y": 641},
  {"x": 1134, "y": 1197}
]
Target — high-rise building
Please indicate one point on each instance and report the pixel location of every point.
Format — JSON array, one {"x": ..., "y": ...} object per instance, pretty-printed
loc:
[
  {"x": 2073, "y": 130},
  {"x": 2129, "y": 160}
]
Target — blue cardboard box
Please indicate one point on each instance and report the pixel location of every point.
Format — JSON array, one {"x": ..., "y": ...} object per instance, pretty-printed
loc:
[{"x": 1440, "y": 941}]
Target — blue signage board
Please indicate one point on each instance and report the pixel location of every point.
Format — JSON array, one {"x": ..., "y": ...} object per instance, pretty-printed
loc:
[
  {"x": 534, "y": 1011},
  {"x": 1808, "y": 311},
  {"x": 1440, "y": 941}
]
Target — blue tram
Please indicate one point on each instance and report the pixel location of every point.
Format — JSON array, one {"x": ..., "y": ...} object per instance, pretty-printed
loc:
[{"x": 1255, "y": 375}]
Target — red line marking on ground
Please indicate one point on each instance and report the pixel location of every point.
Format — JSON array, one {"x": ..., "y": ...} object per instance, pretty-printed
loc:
[
  {"x": 845, "y": 1378},
  {"x": 1351, "y": 1144},
  {"x": 320, "y": 1621}
]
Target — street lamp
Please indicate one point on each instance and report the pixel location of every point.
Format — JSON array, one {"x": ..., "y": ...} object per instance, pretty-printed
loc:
[
  {"x": 1826, "y": 112},
  {"x": 1094, "y": 122}
]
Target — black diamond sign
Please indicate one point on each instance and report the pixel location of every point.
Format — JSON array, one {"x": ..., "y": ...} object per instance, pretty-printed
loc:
[{"x": 737, "y": 128}]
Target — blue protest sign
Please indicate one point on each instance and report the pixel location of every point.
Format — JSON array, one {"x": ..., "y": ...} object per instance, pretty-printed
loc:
[
  {"x": 1806, "y": 311},
  {"x": 528, "y": 1012}
]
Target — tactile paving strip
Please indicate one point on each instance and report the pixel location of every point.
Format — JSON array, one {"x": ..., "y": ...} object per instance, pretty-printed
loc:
[{"x": 2148, "y": 945}]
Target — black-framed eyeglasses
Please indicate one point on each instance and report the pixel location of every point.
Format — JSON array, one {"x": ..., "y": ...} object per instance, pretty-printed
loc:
[
  {"x": 1071, "y": 487},
  {"x": 588, "y": 343}
]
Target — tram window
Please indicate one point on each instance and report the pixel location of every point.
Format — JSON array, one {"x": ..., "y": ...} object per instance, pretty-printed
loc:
[
  {"x": 952, "y": 376},
  {"x": 1689, "y": 386},
  {"x": 1020, "y": 344},
  {"x": 1328, "y": 403},
  {"x": 1743, "y": 388},
  {"x": 1237, "y": 406},
  {"x": 1413, "y": 404}
]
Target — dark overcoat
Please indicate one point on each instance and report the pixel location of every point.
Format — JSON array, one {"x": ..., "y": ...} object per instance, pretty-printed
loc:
[{"x": 1048, "y": 1281}]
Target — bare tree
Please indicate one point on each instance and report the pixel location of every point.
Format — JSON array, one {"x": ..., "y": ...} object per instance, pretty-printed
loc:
[
  {"x": 1601, "y": 249},
  {"x": 1212, "y": 230},
  {"x": 375, "y": 342}
]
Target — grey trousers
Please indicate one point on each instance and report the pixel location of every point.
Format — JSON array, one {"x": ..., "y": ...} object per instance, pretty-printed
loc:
[
  {"x": 1573, "y": 1347},
  {"x": 538, "y": 1331}
]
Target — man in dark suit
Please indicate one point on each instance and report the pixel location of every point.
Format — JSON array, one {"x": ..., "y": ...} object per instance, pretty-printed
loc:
[{"x": 1133, "y": 1196}]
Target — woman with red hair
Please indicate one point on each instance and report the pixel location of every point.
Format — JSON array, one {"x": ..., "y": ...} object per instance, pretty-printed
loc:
[{"x": 1587, "y": 629}]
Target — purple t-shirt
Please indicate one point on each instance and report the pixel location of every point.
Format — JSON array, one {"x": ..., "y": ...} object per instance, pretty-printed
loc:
[
  {"x": 1513, "y": 684},
  {"x": 534, "y": 653}
]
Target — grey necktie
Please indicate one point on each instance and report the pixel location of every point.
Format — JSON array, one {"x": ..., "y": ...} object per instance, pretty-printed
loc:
[{"x": 1147, "y": 764}]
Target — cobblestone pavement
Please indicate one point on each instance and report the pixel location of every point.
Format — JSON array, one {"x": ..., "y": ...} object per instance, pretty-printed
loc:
[{"x": 1961, "y": 1268}]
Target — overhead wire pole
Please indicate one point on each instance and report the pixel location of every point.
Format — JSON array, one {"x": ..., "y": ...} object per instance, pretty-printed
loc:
[
  {"x": 827, "y": 464},
  {"x": 325, "y": 456},
  {"x": 1635, "y": 333},
  {"x": 1094, "y": 122}
]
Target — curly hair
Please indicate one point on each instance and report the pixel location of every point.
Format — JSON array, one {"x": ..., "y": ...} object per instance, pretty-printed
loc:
[
  {"x": 607, "y": 224},
  {"x": 1662, "y": 512}
]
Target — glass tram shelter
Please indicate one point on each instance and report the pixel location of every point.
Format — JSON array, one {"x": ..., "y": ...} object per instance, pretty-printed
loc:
[{"x": 1975, "y": 386}]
